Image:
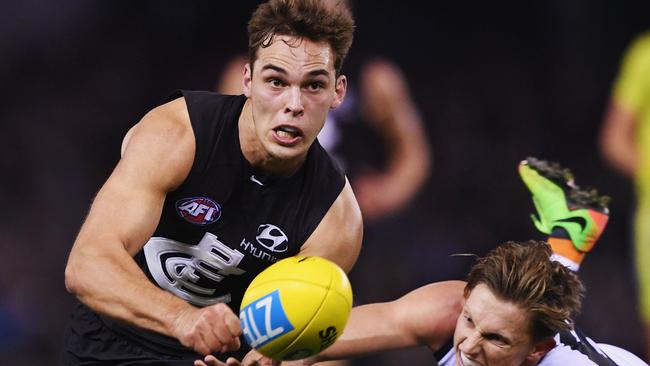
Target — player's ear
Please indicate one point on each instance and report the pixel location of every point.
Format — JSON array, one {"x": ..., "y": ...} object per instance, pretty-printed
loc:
[
  {"x": 247, "y": 79},
  {"x": 339, "y": 91},
  {"x": 541, "y": 348}
]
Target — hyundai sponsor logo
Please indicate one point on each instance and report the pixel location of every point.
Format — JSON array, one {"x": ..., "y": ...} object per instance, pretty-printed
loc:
[{"x": 272, "y": 238}]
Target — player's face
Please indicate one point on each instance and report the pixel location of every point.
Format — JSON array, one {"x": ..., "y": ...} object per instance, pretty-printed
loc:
[
  {"x": 493, "y": 332},
  {"x": 292, "y": 87}
]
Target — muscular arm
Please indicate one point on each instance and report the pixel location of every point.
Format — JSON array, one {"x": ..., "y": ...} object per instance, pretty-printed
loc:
[
  {"x": 617, "y": 139},
  {"x": 386, "y": 103},
  {"x": 424, "y": 317},
  {"x": 338, "y": 236},
  {"x": 157, "y": 156}
]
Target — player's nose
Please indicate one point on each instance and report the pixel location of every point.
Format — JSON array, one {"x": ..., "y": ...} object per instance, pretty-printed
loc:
[
  {"x": 294, "y": 101},
  {"x": 471, "y": 344}
]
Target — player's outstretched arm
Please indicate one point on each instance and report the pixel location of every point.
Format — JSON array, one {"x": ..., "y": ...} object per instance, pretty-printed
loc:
[
  {"x": 424, "y": 317},
  {"x": 617, "y": 138},
  {"x": 338, "y": 236},
  {"x": 388, "y": 105},
  {"x": 618, "y": 135},
  {"x": 157, "y": 156}
]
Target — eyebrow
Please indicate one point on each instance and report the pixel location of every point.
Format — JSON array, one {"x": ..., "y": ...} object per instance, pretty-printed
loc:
[
  {"x": 498, "y": 335},
  {"x": 319, "y": 72},
  {"x": 280, "y": 70},
  {"x": 274, "y": 68}
]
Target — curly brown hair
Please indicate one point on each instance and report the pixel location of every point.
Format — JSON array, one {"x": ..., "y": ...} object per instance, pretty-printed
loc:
[
  {"x": 315, "y": 20},
  {"x": 523, "y": 274}
]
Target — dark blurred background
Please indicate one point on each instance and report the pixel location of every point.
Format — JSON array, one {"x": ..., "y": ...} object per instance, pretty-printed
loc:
[{"x": 495, "y": 82}]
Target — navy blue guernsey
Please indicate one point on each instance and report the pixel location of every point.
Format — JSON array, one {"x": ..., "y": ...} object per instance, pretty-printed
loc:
[{"x": 227, "y": 221}]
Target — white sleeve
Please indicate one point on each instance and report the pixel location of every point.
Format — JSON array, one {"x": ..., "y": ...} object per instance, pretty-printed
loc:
[
  {"x": 621, "y": 356},
  {"x": 449, "y": 359},
  {"x": 563, "y": 355}
]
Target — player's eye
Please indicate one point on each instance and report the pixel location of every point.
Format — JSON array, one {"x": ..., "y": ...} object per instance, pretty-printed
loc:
[
  {"x": 275, "y": 82},
  {"x": 315, "y": 86},
  {"x": 496, "y": 339}
]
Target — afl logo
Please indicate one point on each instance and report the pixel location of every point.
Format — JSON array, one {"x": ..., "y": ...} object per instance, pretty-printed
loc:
[
  {"x": 198, "y": 210},
  {"x": 272, "y": 238}
]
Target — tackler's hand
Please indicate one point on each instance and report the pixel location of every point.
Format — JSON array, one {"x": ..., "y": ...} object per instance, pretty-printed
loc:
[{"x": 252, "y": 358}]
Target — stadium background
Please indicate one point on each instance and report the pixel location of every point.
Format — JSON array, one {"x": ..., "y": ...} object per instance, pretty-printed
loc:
[{"x": 495, "y": 82}]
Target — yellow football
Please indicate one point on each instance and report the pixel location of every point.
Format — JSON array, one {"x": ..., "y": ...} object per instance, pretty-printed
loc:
[{"x": 296, "y": 308}]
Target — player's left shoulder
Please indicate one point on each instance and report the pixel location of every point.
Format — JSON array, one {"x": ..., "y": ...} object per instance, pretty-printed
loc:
[
  {"x": 604, "y": 355},
  {"x": 345, "y": 215},
  {"x": 621, "y": 356},
  {"x": 338, "y": 236},
  {"x": 562, "y": 354}
]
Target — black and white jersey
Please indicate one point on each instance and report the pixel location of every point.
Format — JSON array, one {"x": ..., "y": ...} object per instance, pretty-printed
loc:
[{"x": 575, "y": 349}]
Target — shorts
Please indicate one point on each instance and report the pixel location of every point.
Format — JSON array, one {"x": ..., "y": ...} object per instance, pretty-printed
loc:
[{"x": 88, "y": 341}]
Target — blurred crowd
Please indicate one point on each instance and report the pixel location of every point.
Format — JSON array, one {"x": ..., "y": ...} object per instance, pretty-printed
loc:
[{"x": 494, "y": 83}]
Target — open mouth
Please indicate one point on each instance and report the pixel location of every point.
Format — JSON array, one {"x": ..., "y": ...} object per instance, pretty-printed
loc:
[{"x": 287, "y": 134}]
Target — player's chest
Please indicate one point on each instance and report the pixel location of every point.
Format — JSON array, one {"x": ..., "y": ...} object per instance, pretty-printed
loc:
[{"x": 262, "y": 224}]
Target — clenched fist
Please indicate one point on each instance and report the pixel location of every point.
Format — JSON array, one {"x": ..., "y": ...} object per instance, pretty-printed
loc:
[{"x": 214, "y": 328}]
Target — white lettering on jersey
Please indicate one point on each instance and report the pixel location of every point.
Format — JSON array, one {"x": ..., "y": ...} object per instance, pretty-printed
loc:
[
  {"x": 177, "y": 267},
  {"x": 257, "y": 252}
]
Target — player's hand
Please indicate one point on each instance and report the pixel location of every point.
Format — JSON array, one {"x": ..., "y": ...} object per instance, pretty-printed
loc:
[
  {"x": 252, "y": 358},
  {"x": 214, "y": 328},
  {"x": 210, "y": 360}
]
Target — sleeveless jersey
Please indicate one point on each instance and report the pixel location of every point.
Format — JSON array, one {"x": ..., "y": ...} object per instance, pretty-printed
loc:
[{"x": 227, "y": 222}]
